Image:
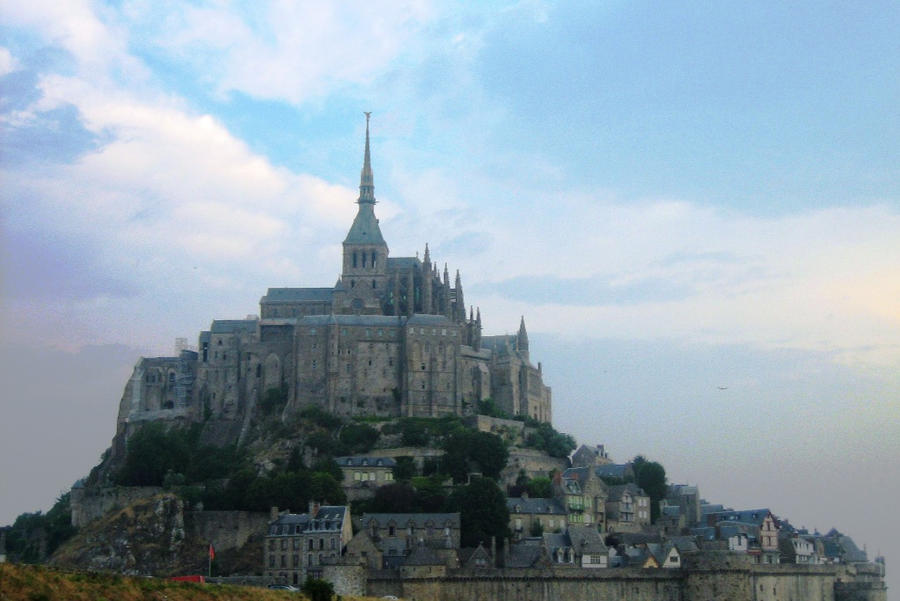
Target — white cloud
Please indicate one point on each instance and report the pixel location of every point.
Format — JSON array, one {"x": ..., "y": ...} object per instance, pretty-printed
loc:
[
  {"x": 8, "y": 63},
  {"x": 292, "y": 51}
]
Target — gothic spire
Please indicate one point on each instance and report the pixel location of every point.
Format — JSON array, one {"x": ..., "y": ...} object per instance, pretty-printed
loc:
[{"x": 366, "y": 179}]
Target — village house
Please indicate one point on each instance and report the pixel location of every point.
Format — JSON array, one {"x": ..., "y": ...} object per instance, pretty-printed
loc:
[
  {"x": 363, "y": 474},
  {"x": 297, "y": 545}
]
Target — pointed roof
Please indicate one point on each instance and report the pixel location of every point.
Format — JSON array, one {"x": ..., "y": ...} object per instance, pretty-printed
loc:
[
  {"x": 365, "y": 228},
  {"x": 366, "y": 179}
]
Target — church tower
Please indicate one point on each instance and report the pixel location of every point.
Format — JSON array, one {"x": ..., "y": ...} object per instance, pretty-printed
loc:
[{"x": 364, "y": 279}]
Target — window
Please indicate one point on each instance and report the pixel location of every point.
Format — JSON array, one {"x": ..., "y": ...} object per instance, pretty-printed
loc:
[
  {"x": 391, "y": 531},
  {"x": 354, "y": 259},
  {"x": 373, "y": 266},
  {"x": 373, "y": 284}
]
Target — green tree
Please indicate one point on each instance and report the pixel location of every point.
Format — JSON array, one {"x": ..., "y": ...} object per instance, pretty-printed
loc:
[
  {"x": 482, "y": 448},
  {"x": 405, "y": 469},
  {"x": 358, "y": 438},
  {"x": 151, "y": 452},
  {"x": 540, "y": 488},
  {"x": 483, "y": 513},
  {"x": 399, "y": 497},
  {"x": 318, "y": 590}
]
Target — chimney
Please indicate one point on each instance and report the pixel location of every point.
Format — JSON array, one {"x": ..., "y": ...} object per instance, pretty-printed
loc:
[
  {"x": 273, "y": 513},
  {"x": 313, "y": 508}
]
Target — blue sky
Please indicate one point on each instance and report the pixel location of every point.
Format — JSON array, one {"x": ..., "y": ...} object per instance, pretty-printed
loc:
[{"x": 692, "y": 195}]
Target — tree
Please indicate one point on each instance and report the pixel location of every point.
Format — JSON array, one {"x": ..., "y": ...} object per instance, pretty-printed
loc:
[
  {"x": 398, "y": 497},
  {"x": 318, "y": 590},
  {"x": 483, "y": 448},
  {"x": 359, "y": 438},
  {"x": 483, "y": 513},
  {"x": 151, "y": 452},
  {"x": 405, "y": 469},
  {"x": 651, "y": 477},
  {"x": 540, "y": 488}
]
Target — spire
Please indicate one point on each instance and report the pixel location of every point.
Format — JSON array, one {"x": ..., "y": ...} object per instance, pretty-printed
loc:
[
  {"x": 427, "y": 255},
  {"x": 522, "y": 338},
  {"x": 366, "y": 179},
  {"x": 446, "y": 275}
]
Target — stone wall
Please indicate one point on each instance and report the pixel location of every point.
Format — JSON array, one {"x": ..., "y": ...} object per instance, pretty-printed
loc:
[
  {"x": 89, "y": 504},
  {"x": 736, "y": 583},
  {"x": 227, "y": 529},
  {"x": 348, "y": 580}
]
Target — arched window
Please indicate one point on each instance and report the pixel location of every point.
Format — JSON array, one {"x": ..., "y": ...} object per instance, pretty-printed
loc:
[
  {"x": 363, "y": 259},
  {"x": 373, "y": 284},
  {"x": 373, "y": 259},
  {"x": 354, "y": 259}
]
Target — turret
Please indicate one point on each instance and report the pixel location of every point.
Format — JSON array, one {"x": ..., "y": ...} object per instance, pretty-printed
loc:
[
  {"x": 460, "y": 313},
  {"x": 427, "y": 282},
  {"x": 522, "y": 339}
]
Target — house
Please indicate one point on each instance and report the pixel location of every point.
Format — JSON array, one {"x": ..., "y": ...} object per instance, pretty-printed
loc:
[
  {"x": 796, "y": 548},
  {"x": 687, "y": 498},
  {"x": 585, "y": 456},
  {"x": 478, "y": 558},
  {"x": 588, "y": 547},
  {"x": 619, "y": 471},
  {"x": 584, "y": 495},
  {"x": 361, "y": 550},
  {"x": 765, "y": 524},
  {"x": 363, "y": 474},
  {"x": 534, "y": 516},
  {"x": 397, "y": 535},
  {"x": 627, "y": 508},
  {"x": 297, "y": 545},
  {"x": 665, "y": 555}
]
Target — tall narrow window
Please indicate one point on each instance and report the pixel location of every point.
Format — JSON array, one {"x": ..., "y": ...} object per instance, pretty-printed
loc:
[
  {"x": 354, "y": 259},
  {"x": 363, "y": 259},
  {"x": 373, "y": 284},
  {"x": 373, "y": 259}
]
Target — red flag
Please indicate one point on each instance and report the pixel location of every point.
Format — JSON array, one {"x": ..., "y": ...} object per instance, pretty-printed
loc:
[{"x": 212, "y": 552}]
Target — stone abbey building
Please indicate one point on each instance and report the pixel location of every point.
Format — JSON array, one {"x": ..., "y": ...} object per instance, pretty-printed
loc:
[{"x": 393, "y": 337}]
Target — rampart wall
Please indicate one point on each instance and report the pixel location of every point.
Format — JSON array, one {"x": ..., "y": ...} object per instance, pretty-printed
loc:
[{"x": 739, "y": 583}]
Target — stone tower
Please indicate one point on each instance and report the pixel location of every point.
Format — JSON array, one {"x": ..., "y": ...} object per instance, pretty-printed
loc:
[{"x": 364, "y": 276}]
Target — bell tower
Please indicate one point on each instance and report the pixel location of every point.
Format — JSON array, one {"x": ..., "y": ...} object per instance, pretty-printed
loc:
[{"x": 363, "y": 277}]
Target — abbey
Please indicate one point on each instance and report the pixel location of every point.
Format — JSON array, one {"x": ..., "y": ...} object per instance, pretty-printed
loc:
[{"x": 392, "y": 337}]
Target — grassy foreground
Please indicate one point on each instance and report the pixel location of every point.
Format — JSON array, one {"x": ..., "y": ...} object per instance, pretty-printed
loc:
[{"x": 38, "y": 583}]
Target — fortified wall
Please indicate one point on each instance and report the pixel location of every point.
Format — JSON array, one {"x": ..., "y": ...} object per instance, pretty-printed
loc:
[{"x": 749, "y": 582}]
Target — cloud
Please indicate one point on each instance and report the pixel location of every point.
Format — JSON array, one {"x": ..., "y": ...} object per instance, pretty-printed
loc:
[
  {"x": 8, "y": 64},
  {"x": 281, "y": 50},
  {"x": 594, "y": 291}
]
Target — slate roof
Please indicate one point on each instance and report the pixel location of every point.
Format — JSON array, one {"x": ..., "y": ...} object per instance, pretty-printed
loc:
[
  {"x": 293, "y": 295},
  {"x": 616, "y": 491},
  {"x": 524, "y": 555},
  {"x": 350, "y": 320},
  {"x": 233, "y": 326},
  {"x": 329, "y": 517},
  {"x": 419, "y": 520},
  {"x": 747, "y": 516},
  {"x": 422, "y": 319},
  {"x": 528, "y": 505},
  {"x": 401, "y": 263},
  {"x": 365, "y": 461},
  {"x": 365, "y": 228},
  {"x": 586, "y": 539},
  {"x": 612, "y": 470},
  {"x": 423, "y": 555}
]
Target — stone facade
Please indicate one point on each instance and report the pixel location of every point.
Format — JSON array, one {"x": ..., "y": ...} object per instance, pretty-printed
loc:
[
  {"x": 300, "y": 545},
  {"x": 392, "y": 337}
]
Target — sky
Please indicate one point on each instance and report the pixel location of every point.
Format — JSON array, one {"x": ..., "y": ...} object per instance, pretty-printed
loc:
[{"x": 695, "y": 205}]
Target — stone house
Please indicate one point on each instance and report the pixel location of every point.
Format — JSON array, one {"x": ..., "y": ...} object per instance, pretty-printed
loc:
[
  {"x": 363, "y": 474},
  {"x": 297, "y": 545},
  {"x": 764, "y": 538},
  {"x": 627, "y": 508},
  {"x": 796, "y": 548},
  {"x": 397, "y": 535},
  {"x": 584, "y": 495},
  {"x": 587, "y": 456},
  {"x": 362, "y": 551},
  {"x": 526, "y": 514},
  {"x": 588, "y": 546}
]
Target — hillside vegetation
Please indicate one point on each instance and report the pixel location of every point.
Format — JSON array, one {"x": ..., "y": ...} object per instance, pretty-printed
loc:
[{"x": 37, "y": 583}]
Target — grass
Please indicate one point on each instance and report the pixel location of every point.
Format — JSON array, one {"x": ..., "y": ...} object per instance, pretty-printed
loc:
[{"x": 19, "y": 582}]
